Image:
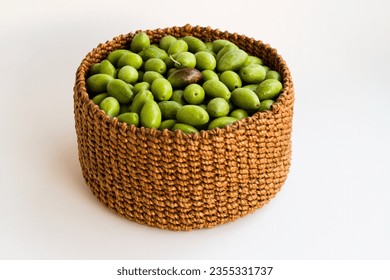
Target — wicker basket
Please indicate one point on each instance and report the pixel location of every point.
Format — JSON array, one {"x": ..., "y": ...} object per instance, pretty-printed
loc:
[{"x": 178, "y": 181}]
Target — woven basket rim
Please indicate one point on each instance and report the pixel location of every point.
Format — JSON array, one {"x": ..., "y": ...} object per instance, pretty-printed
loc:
[{"x": 81, "y": 74}]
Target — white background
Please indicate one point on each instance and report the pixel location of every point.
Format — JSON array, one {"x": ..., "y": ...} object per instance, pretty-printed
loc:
[{"x": 335, "y": 203}]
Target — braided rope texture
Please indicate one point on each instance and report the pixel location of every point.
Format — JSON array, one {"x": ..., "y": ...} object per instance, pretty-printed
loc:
[{"x": 177, "y": 181}]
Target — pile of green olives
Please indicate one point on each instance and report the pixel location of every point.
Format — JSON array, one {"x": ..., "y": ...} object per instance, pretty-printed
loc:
[{"x": 182, "y": 84}]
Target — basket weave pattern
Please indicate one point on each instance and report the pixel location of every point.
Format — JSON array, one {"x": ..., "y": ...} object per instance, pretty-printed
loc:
[{"x": 178, "y": 181}]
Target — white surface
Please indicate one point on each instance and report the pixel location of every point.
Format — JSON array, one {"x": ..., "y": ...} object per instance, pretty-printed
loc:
[{"x": 335, "y": 203}]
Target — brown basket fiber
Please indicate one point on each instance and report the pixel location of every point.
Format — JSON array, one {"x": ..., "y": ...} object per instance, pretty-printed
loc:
[{"x": 179, "y": 181}]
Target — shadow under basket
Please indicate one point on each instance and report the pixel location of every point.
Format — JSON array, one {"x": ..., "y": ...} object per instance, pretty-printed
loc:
[{"x": 177, "y": 181}]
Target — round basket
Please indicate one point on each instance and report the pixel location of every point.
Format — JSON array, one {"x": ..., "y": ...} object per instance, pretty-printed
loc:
[{"x": 177, "y": 181}]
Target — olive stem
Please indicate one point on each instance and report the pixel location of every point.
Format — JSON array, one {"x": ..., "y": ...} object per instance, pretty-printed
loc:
[{"x": 175, "y": 61}]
